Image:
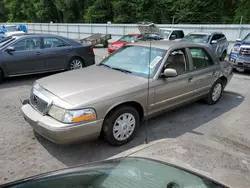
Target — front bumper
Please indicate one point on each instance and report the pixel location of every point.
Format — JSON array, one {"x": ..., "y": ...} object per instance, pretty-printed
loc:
[
  {"x": 58, "y": 132},
  {"x": 240, "y": 64}
]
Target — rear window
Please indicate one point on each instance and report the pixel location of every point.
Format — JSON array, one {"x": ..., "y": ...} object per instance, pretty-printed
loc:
[{"x": 199, "y": 38}]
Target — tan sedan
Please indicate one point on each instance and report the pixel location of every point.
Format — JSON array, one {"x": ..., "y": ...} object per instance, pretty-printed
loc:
[{"x": 113, "y": 97}]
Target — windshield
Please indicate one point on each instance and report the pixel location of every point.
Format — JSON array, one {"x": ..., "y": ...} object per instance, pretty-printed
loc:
[
  {"x": 6, "y": 41},
  {"x": 11, "y": 28},
  {"x": 128, "y": 38},
  {"x": 247, "y": 38},
  {"x": 135, "y": 59},
  {"x": 165, "y": 33},
  {"x": 198, "y": 38},
  {"x": 125, "y": 173}
]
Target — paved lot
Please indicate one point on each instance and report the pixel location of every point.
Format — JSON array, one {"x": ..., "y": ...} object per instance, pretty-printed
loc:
[{"x": 224, "y": 126}]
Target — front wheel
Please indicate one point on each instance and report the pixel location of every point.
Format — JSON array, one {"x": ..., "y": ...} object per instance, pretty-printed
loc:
[
  {"x": 1, "y": 76},
  {"x": 75, "y": 63},
  {"x": 215, "y": 93},
  {"x": 121, "y": 125}
]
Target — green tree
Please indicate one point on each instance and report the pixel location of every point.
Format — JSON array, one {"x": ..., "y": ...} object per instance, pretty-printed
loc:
[
  {"x": 243, "y": 11},
  {"x": 3, "y": 12},
  {"x": 197, "y": 11},
  {"x": 99, "y": 11}
]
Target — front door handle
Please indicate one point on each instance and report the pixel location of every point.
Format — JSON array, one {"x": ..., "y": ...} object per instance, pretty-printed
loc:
[{"x": 69, "y": 50}]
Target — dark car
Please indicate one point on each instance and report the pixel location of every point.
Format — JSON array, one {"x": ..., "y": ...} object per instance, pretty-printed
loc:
[
  {"x": 119, "y": 173},
  {"x": 25, "y": 54}
]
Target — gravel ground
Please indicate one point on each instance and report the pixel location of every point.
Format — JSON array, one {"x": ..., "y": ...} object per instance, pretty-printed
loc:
[{"x": 24, "y": 153}]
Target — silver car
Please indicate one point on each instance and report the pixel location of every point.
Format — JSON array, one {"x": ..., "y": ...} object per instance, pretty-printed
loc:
[
  {"x": 114, "y": 97},
  {"x": 216, "y": 41}
]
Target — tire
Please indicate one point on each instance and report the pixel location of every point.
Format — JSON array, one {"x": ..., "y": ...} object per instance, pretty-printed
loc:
[
  {"x": 1, "y": 76},
  {"x": 223, "y": 56},
  {"x": 111, "y": 127},
  {"x": 213, "y": 97},
  {"x": 105, "y": 44},
  {"x": 75, "y": 63}
]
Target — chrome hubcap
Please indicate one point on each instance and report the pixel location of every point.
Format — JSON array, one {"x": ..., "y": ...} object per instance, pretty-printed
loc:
[
  {"x": 124, "y": 126},
  {"x": 75, "y": 64},
  {"x": 216, "y": 92}
]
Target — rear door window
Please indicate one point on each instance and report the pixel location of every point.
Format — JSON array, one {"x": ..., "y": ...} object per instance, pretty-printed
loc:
[
  {"x": 52, "y": 42},
  {"x": 201, "y": 58}
]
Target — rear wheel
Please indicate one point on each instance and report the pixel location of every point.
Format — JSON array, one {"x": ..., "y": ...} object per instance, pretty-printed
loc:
[
  {"x": 75, "y": 63},
  {"x": 121, "y": 125},
  {"x": 1, "y": 76},
  {"x": 215, "y": 93}
]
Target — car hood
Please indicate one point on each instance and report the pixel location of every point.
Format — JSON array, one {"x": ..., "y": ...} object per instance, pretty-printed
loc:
[
  {"x": 148, "y": 27},
  {"x": 118, "y": 43},
  {"x": 91, "y": 85}
]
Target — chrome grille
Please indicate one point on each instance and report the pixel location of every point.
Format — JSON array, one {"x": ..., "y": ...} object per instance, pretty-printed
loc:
[
  {"x": 245, "y": 51},
  {"x": 38, "y": 102}
]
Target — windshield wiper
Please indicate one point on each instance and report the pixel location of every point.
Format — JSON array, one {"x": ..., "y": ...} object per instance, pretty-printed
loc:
[
  {"x": 119, "y": 69},
  {"x": 122, "y": 70},
  {"x": 105, "y": 65}
]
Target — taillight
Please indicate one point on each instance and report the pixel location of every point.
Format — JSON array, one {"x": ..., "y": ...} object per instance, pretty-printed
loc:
[{"x": 92, "y": 48}]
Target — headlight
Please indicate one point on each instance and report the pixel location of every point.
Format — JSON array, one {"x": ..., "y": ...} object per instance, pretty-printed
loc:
[
  {"x": 235, "y": 49},
  {"x": 71, "y": 116}
]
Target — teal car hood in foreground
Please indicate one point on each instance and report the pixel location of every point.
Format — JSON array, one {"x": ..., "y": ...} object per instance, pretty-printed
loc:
[{"x": 119, "y": 173}]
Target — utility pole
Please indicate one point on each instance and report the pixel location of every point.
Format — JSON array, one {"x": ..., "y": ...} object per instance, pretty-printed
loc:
[
  {"x": 241, "y": 19},
  {"x": 173, "y": 20},
  {"x": 240, "y": 29}
]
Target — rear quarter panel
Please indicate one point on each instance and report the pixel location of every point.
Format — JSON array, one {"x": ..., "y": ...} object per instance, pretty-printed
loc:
[{"x": 85, "y": 53}]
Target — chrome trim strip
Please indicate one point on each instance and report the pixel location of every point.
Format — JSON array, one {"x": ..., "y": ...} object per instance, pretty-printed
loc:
[{"x": 182, "y": 95}]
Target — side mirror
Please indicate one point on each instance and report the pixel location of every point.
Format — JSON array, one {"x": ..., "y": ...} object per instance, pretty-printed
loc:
[
  {"x": 238, "y": 40},
  {"x": 172, "y": 37},
  {"x": 214, "y": 42},
  {"x": 170, "y": 72},
  {"x": 10, "y": 49}
]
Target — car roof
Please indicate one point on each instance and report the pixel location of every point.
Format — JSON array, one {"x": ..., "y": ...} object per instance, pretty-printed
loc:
[
  {"x": 134, "y": 34},
  {"x": 170, "y": 29},
  {"x": 20, "y": 35},
  {"x": 206, "y": 33},
  {"x": 166, "y": 45}
]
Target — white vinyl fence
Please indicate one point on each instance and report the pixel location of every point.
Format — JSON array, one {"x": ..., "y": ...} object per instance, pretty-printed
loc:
[{"x": 79, "y": 31}]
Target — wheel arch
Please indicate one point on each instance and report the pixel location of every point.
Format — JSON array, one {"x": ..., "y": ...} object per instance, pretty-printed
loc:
[
  {"x": 224, "y": 81},
  {"x": 139, "y": 108}
]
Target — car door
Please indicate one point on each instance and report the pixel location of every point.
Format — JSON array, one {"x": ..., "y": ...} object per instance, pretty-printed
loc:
[
  {"x": 203, "y": 69},
  {"x": 56, "y": 53},
  {"x": 26, "y": 57},
  {"x": 173, "y": 91}
]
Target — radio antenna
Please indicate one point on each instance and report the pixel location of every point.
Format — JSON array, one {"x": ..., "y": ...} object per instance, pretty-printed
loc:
[{"x": 148, "y": 94}]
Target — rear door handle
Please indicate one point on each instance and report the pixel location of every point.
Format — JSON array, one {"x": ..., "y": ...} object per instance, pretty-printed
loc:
[
  {"x": 69, "y": 50},
  {"x": 38, "y": 53}
]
